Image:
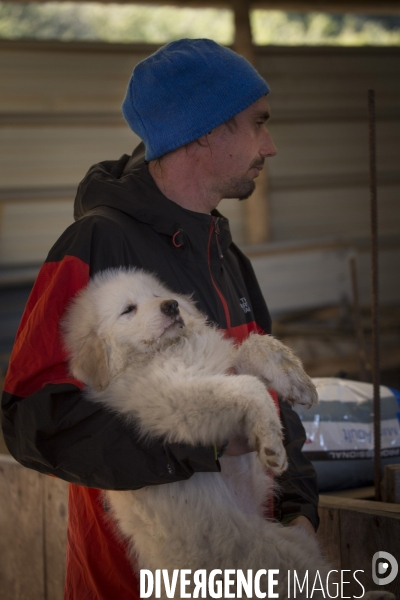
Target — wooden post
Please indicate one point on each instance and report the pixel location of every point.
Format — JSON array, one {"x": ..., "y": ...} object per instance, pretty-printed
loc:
[
  {"x": 33, "y": 525},
  {"x": 1, "y": 234},
  {"x": 257, "y": 226},
  {"x": 390, "y": 485},
  {"x": 352, "y": 531},
  {"x": 243, "y": 43}
]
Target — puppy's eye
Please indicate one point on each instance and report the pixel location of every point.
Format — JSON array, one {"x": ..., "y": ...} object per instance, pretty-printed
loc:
[{"x": 129, "y": 309}]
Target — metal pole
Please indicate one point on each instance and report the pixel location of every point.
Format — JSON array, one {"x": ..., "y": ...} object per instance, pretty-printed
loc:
[
  {"x": 375, "y": 298},
  {"x": 361, "y": 350}
]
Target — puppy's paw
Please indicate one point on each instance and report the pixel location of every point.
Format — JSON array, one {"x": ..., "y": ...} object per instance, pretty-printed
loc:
[
  {"x": 262, "y": 425},
  {"x": 274, "y": 459},
  {"x": 300, "y": 388},
  {"x": 280, "y": 369},
  {"x": 266, "y": 438}
]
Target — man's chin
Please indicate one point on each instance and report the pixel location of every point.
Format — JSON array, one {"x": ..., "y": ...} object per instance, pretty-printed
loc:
[
  {"x": 248, "y": 193},
  {"x": 242, "y": 190}
]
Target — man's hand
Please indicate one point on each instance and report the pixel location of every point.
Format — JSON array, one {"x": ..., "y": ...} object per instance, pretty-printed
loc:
[
  {"x": 304, "y": 523},
  {"x": 237, "y": 446}
]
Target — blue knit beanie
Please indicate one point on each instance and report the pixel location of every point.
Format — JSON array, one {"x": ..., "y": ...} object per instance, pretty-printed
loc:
[{"x": 184, "y": 90}]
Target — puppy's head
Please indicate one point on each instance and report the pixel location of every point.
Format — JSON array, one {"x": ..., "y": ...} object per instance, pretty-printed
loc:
[{"x": 122, "y": 312}]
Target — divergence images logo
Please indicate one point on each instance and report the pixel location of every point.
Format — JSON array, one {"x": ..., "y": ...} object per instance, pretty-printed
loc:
[{"x": 385, "y": 560}]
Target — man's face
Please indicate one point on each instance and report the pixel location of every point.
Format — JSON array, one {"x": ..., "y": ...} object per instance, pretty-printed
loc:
[{"x": 238, "y": 150}]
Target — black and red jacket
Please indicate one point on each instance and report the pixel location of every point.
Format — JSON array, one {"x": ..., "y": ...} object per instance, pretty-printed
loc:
[{"x": 123, "y": 219}]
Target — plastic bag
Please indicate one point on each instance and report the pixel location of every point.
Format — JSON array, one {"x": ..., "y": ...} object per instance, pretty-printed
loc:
[{"x": 340, "y": 432}]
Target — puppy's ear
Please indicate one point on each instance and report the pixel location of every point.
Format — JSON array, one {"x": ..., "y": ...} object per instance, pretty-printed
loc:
[{"x": 89, "y": 363}]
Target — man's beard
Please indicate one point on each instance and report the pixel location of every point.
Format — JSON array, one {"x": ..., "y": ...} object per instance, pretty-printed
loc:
[{"x": 239, "y": 188}]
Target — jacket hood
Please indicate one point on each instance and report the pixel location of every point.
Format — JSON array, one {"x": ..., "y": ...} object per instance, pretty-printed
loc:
[{"x": 126, "y": 184}]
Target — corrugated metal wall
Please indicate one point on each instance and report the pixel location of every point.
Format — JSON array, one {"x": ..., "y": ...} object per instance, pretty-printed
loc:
[
  {"x": 60, "y": 113},
  {"x": 319, "y": 179}
]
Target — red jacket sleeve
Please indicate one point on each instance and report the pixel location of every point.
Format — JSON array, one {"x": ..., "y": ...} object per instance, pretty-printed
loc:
[
  {"x": 38, "y": 357},
  {"x": 48, "y": 423}
]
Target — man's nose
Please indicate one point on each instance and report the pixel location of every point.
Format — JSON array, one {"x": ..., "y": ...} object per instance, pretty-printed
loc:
[{"x": 268, "y": 147}]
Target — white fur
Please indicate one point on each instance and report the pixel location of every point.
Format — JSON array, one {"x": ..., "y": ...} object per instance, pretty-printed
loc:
[{"x": 174, "y": 380}]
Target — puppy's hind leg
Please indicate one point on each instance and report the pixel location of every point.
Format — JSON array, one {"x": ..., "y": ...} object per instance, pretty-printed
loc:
[{"x": 266, "y": 357}]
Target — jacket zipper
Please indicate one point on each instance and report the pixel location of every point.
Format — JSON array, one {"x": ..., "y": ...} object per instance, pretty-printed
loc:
[
  {"x": 214, "y": 227},
  {"x": 216, "y": 238}
]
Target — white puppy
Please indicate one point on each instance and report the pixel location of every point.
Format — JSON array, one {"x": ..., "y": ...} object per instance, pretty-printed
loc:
[{"x": 147, "y": 353}]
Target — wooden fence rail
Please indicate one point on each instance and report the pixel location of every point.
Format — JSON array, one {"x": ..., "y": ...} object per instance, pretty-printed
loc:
[
  {"x": 33, "y": 522},
  {"x": 33, "y": 526}
]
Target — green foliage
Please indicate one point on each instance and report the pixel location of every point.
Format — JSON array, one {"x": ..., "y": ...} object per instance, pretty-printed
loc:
[
  {"x": 43, "y": 22},
  {"x": 160, "y": 24},
  {"x": 296, "y": 29},
  {"x": 112, "y": 22}
]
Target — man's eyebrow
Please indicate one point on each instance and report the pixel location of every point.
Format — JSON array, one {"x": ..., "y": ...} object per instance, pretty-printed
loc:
[{"x": 264, "y": 115}]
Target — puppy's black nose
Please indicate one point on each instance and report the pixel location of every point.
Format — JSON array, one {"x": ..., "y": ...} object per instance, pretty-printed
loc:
[{"x": 170, "y": 308}]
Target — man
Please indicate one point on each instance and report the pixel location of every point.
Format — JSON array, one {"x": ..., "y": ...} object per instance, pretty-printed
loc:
[{"x": 201, "y": 111}]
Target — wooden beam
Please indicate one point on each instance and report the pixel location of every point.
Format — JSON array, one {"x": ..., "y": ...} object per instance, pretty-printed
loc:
[
  {"x": 243, "y": 41},
  {"x": 366, "y": 506},
  {"x": 391, "y": 484},
  {"x": 257, "y": 230}
]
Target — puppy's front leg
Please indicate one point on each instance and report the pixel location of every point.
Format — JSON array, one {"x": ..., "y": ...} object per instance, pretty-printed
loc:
[
  {"x": 207, "y": 410},
  {"x": 266, "y": 357}
]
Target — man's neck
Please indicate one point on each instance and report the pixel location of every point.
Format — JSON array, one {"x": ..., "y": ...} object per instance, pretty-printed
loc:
[{"x": 178, "y": 177}]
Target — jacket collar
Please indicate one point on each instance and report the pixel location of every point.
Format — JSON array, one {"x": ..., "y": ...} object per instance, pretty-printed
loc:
[{"x": 127, "y": 185}]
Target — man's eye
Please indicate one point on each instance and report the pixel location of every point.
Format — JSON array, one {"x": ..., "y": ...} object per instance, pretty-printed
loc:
[{"x": 129, "y": 309}]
